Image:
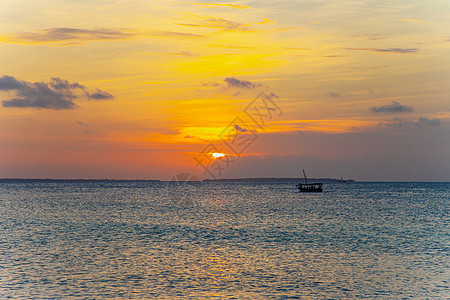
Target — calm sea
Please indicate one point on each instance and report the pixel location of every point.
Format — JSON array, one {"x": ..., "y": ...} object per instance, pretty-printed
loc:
[{"x": 215, "y": 240}]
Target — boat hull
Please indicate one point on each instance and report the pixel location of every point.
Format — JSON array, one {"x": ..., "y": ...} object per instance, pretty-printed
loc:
[
  {"x": 310, "y": 188},
  {"x": 310, "y": 191}
]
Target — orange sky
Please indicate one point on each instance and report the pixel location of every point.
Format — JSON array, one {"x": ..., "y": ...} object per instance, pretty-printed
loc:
[{"x": 110, "y": 89}]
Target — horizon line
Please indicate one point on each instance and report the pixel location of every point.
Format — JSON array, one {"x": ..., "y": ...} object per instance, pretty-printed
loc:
[{"x": 219, "y": 179}]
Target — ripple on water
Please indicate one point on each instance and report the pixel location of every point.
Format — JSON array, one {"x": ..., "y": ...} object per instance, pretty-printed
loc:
[{"x": 75, "y": 239}]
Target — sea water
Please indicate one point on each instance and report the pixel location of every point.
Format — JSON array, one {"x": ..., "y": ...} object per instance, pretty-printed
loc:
[{"x": 218, "y": 240}]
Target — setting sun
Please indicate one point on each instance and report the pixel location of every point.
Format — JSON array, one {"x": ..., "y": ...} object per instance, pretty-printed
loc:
[{"x": 218, "y": 155}]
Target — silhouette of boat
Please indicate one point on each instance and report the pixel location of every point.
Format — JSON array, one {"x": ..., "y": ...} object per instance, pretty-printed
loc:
[
  {"x": 342, "y": 180},
  {"x": 310, "y": 187}
]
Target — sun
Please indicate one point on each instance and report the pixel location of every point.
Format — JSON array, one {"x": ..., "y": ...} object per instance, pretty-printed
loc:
[{"x": 218, "y": 155}]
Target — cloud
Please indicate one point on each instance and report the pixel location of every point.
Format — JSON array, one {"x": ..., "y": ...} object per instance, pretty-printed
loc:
[
  {"x": 370, "y": 36},
  {"x": 333, "y": 95},
  {"x": 184, "y": 53},
  {"x": 229, "y": 25},
  {"x": 239, "y": 128},
  {"x": 84, "y": 127},
  {"x": 236, "y": 6},
  {"x": 422, "y": 122},
  {"x": 271, "y": 95},
  {"x": 426, "y": 121},
  {"x": 215, "y": 84},
  {"x": 387, "y": 50},
  {"x": 219, "y": 23},
  {"x": 66, "y": 34},
  {"x": 61, "y": 84},
  {"x": 47, "y": 101},
  {"x": 172, "y": 34},
  {"x": 57, "y": 94},
  {"x": 10, "y": 83},
  {"x": 187, "y": 53},
  {"x": 99, "y": 95},
  {"x": 393, "y": 108},
  {"x": 233, "y": 82}
]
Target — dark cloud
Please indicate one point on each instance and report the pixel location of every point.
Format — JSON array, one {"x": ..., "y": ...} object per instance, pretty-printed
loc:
[
  {"x": 426, "y": 121},
  {"x": 84, "y": 127},
  {"x": 333, "y": 95},
  {"x": 99, "y": 95},
  {"x": 422, "y": 122},
  {"x": 65, "y": 34},
  {"x": 80, "y": 34},
  {"x": 396, "y": 122},
  {"x": 10, "y": 83},
  {"x": 239, "y": 128},
  {"x": 233, "y": 82},
  {"x": 40, "y": 102},
  {"x": 271, "y": 96},
  {"x": 387, "y": 50},
  {"x": 61, "y": 84},
  {"x": 57, "y": 94},
  {"x": 211, "y": 84},
  {"x": 41, "y": 95},
  {"x": 393, "y": 108}
]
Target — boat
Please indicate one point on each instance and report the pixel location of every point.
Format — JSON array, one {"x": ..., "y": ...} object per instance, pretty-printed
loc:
[
  {"x": 310, "y": 187},
  {"x": 342, "y": 180}
]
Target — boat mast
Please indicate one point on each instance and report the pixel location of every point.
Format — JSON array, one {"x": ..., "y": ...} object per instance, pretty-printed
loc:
[{"x": 304, "y": 174}]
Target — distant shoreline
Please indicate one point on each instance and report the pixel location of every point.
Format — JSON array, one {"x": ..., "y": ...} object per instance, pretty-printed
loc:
[
  {"x": 282, "y": 179},
  {"x": 59, "y": 179},
  {"x": 250, "y": 179}
]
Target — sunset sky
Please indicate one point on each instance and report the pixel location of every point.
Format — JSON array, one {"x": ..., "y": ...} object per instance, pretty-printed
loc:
[{"x": 149, "y": 89}]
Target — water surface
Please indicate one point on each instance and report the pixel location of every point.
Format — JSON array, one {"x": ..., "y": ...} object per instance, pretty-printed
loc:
[{"x": 154, "y": 240}]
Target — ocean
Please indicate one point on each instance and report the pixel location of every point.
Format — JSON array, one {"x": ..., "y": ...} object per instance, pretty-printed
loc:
[{"x": 223, "y": 240}]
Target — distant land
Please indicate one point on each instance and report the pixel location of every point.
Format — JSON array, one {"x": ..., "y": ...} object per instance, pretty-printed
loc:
[
  {"x": 58, "y": 179},
  {"x": 258, "y": 179},
  {"x": 277, "y": 179}
]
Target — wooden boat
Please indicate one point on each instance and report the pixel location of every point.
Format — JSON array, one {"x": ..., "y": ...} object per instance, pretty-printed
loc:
[{"x": 310, "y": 187}]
